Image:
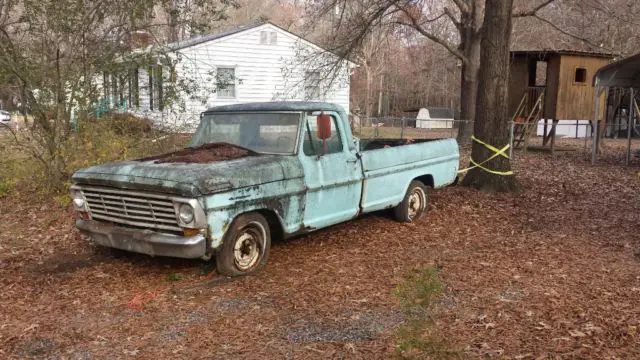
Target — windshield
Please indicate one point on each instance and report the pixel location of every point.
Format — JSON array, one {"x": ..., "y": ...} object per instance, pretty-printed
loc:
[{"x": 269, "y": 133}]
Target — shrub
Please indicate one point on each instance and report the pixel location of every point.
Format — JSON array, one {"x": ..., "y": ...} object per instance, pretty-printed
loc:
[
  {"x": 94, "y": 142},
  {"x": 126, "y": 124}
]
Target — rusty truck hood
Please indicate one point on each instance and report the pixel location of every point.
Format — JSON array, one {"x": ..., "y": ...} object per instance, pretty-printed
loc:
[{"x": 189, "y": 179}]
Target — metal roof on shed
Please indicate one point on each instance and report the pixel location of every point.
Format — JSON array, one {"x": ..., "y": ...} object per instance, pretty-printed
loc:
[{"x": 622, "y": 73}]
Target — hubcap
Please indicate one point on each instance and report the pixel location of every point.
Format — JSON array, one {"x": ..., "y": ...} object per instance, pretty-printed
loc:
[
  {"x": 416, "y": 202},
  {"x": 248, "y": 246}
]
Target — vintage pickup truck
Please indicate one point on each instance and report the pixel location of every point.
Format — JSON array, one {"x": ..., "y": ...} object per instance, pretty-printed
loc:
[{"x": 253, "y": 172}]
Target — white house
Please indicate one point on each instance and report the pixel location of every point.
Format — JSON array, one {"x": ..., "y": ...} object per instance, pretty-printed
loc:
[{"x": 256, "y": 62}]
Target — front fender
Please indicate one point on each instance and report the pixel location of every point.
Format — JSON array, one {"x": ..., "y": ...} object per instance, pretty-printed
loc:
[{"x": 285, "y": 199}]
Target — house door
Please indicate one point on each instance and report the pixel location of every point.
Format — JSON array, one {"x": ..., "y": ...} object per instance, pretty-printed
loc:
[{"x": 333, "y": 179}]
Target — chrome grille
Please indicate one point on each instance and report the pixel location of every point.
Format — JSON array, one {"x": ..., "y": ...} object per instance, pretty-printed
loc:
[{"x": 132, "y": 208}]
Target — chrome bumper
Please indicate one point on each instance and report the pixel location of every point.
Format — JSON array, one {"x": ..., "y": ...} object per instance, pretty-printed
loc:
[{"x": 144, "y": 241}]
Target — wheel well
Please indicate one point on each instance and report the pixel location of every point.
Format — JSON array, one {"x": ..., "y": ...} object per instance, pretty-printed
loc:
[
  {"x": 275, "y": 226},
  {"x": 425, "y": 179}
]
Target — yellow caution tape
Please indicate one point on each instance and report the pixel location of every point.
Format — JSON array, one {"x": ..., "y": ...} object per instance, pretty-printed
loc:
[{"x": 496, "y": 152}]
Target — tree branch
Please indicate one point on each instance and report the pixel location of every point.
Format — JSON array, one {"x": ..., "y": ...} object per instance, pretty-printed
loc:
[
  {"x": 462, "y": 6},
  {"x": 457, "y": 23},
  {"x": 534, "y": 11},
  {"x": 564, "y": 32},
  {"x": 453, "y": 49}
]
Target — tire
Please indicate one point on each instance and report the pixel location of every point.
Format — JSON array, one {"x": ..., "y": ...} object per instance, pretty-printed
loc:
[
  {"x": 414, "y": 204},
  {"x": 245, "y": 248}
]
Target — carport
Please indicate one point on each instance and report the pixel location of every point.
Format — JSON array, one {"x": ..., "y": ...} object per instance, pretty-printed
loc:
[{"x": 624, "y": 74}]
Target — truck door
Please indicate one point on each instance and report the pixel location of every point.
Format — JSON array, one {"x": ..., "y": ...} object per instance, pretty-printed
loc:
[{"x": 332, "y": 171}]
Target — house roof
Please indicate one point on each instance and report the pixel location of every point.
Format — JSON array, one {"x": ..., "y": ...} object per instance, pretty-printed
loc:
[
  {"x": 544, "y": 54},
  {"x": 622, "y": 73},
  {"x": 279, "y": 106},
  {"x": 440, "y": 113},
  {"x": 209, "y": 37}
]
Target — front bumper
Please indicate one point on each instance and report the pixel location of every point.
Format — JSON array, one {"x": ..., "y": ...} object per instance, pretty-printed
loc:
[{"x": 144, "y": 241}]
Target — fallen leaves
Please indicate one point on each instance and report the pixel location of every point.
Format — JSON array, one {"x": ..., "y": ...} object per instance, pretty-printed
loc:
[{"x": 547, "y": 273}]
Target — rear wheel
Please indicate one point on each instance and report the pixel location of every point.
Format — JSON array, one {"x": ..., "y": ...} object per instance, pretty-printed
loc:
[
  {"x": 246, "y": 245},
  {"x": 414, "y": 204}
]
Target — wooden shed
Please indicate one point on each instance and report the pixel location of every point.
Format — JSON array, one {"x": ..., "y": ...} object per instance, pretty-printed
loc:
[{"x": 554, "y": 85}]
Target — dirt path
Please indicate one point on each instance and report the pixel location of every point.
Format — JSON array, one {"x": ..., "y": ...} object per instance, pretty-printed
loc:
[{"x": 550, "y": 272}]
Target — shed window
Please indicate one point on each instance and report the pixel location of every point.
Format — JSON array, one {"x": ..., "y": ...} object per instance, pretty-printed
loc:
[
  {"x": 226, "y": 82},
  {"x": 581, "y": 75}
]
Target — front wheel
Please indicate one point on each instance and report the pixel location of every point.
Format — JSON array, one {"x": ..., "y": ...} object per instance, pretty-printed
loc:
[
  {"x": 414, "y": 204},
  {"x": 246, "y": 245}
]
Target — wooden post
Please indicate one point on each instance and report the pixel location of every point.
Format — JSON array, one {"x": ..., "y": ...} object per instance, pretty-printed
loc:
[
  {"x": 553, "y": 136},
  {"x": 595, "y": 128},
  {"x": 630, "y": 117},
  {"x": 544, "y": 133},
  {"x": 511, "y": 135}
]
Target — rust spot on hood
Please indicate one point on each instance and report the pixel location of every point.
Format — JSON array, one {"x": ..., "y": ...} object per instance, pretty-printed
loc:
[{"x": 206, "y": 153}]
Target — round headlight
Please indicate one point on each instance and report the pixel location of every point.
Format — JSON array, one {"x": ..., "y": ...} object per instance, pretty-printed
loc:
[
  {"x": 185, "y": 211},
  {"x": 79, "y": 203},
  {"x": 78, "y": 200}
]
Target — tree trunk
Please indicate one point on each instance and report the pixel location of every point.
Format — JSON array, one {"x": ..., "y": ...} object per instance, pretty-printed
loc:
[
  {"x": 492, "y": 118},
  {"x": 469, "y": 91},
  {"x": 367, "y": 94},
  {"x": 470, "y": 41}
]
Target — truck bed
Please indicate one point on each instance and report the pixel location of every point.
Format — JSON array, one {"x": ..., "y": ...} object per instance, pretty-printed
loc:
[
  {"x": 390, "y": 165},
  {"x": 379, "y": 143}
]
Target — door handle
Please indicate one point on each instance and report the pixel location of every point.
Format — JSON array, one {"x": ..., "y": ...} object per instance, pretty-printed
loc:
[{"x": 352, "y": 161}]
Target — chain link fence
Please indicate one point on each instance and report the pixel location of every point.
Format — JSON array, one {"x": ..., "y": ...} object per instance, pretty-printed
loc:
[{"x": 408, "y": 128}]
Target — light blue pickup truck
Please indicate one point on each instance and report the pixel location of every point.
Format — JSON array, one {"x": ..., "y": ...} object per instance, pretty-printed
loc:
[{"x": 253, "y": 172}]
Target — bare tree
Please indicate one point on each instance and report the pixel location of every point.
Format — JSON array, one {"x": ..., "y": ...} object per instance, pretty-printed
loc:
[
  {"x": 453, "y": 24},
  {"x": 491, "y": 169},
  {"x": 53, "y": 54}
]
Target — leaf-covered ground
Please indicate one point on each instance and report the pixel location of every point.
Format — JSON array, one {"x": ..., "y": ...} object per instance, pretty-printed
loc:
[{"x": 551, "y": 272}]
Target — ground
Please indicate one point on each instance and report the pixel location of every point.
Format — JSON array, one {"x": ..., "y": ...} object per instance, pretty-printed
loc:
[{"x": 553, "y": 272}]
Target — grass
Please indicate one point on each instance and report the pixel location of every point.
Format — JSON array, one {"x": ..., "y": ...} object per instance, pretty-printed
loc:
[{"x": 417, "y": 338}]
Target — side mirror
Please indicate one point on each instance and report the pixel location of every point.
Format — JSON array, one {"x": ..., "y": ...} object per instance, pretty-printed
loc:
[{"x": 324, "y": 126}]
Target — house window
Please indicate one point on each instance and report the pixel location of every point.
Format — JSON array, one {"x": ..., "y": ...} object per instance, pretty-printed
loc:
[
  {"x": 312, "y": 85},
  {"x": 114, "y": 90},
  {"x": 155, "y": 88},
  {"x": 134, "y": 90},
  {"x": 268, "y": 37},
  {"x": 150, "y": 87},
  {"x": 123, "y": 88},
  {"x": 581, "y": 75},
  {"x": 106, "y": 86},
  {"x": 226, "y": 82}
]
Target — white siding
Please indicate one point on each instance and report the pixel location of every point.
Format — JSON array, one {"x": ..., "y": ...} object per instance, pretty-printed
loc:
[{"x": 264, "y": 72}]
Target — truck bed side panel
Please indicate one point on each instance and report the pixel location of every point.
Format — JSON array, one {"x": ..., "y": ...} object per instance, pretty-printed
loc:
[{"x": 388, "y": 171}]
